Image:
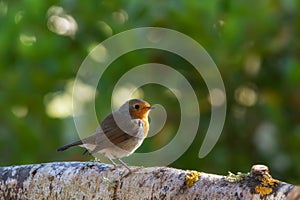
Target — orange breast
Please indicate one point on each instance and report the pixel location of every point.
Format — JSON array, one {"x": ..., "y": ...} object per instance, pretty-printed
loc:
[{"x": 143, "y": 115}]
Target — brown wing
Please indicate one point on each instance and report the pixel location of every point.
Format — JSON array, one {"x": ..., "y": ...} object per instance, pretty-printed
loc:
[
  {"x": 109, "y": 134},
  {"x": 113, "y": 132}
]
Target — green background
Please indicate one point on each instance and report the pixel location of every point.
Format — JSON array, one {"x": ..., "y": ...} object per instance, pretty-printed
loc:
[{"x": 255, "y": 45}]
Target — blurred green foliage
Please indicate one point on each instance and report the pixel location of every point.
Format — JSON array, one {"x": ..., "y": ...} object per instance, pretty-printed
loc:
[{"x": 255, "y": 45}]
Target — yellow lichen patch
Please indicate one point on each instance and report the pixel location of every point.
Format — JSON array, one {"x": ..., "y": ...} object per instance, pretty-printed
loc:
[
  {"x": 267, "y": 185},
  {"x": 263, "y": 190},
  {"x": 191, "y": 178},
  {"x": 269, "y": 181}
]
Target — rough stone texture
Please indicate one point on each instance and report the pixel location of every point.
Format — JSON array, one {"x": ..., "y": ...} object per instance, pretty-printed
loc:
[{"x": 94, "y": 180}]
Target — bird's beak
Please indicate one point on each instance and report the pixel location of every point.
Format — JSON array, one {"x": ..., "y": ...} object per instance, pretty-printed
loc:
[{"x": 151, "y": 107}]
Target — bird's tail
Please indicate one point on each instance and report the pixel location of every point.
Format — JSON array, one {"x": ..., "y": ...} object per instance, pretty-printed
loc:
[{"x": 69, "y": 145}]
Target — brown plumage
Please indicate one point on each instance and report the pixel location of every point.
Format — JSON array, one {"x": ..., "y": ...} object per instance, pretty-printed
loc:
[{"x": 120, "y": 133}]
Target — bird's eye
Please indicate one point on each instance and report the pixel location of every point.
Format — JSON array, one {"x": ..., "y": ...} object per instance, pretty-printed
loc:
[{"x": 137, "y": 106}]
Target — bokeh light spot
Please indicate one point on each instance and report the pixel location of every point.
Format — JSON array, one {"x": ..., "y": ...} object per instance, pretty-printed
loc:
[
  {"x": 105, "y": 28},
  {"x": 246, "y": 96},
  {"x": 252, "y": 64},
  {"x": 19, "y": 16},
  {"x": 120, "y": 16},
  {"x": 27, "y": 39},
  {"x": 216, "y": 97},
  {"x": 58, "y": 105},
  {"x": 3, "y": 8},
  {"x": 98, "y": 54},
  {"x": 265, "y": 138},
  {"x": 19, "y": 111},
  {"x": 61, "y": 23}
]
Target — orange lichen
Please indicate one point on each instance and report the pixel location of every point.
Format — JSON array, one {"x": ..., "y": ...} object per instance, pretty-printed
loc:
[
  {"x": 262, "y": 190},
  {"x": 269, "y": 181},
  {"x": 266, "y": 186},
  {"x": 191, "y": 178}
]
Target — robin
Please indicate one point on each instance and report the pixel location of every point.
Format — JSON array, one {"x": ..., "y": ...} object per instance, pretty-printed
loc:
[{"x": 120, "y": 133}]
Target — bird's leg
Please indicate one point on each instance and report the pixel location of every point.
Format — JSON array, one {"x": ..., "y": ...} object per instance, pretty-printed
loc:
[
  {"x": 111, "y": 160},
  {"x": 124, "y": 164}
]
